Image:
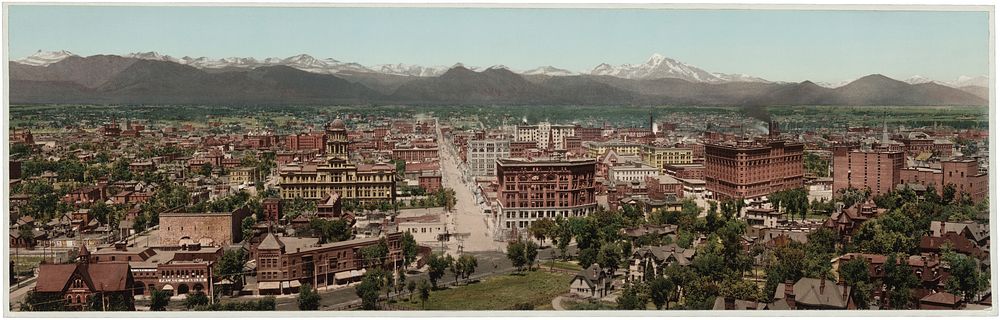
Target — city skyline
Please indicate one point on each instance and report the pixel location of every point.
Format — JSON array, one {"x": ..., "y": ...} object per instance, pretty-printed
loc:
[{"x": 823, "y": 46}]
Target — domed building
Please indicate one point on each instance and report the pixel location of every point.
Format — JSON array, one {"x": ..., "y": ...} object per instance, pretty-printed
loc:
[
  {"x": 336, "y": 174},
  {"x": 336, "y": 143}
]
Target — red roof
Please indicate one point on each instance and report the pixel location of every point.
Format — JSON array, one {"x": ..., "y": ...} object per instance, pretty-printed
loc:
[{"x": 97, "y": 277}]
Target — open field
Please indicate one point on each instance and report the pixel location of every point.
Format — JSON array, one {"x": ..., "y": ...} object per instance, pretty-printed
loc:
[{"x": 536, "y": 288}]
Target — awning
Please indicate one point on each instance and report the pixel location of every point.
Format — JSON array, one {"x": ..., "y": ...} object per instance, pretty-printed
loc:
[
  {"x": 342, "y": 275},
  {"x": 268, "y": 285},
  {"x": 168, "y": 287},
  {"x": 358, "y": 273},
  {"x": 294, "y": 284}
]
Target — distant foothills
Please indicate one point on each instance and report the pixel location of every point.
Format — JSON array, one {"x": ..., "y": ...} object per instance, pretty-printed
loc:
[{"x": 151, "y": 78}]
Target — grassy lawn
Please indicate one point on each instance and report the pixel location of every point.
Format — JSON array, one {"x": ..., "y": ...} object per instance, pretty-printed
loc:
[
  {"x": 537, "y": 288},
  {"x": 25, "y": 263},
  {"x": 568, "y": 265}
]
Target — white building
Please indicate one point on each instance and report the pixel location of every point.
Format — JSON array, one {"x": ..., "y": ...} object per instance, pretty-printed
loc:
[
  {"x": 483, "y": 154},
  {"x": 546, "y": 134},
  {"x": 631, "y": 172}
]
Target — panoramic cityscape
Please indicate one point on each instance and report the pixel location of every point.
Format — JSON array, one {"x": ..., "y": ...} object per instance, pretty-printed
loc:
[{"x": 152, "y": 181}]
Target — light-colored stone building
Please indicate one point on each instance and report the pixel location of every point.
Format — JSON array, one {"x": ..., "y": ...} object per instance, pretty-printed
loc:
[{"x": 483, "y": 154}]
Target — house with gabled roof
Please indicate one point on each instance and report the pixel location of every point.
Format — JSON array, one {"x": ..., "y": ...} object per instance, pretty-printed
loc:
[
  {"x": 592, "y": 282},
  {"x": 77, "y": 282}
]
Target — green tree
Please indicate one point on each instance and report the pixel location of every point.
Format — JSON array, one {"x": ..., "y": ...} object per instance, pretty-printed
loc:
[
  {"x": 855, "y": 274},
  {"x": 631, "y": 298},
  {"x": 410, "y": 287},
  {"x": 205, "y": 170},
  {"x": 230, "y": 266},
  {"x": 530, "y": 254},
  {"x": 308, "y": 298},
  {"x": 410, "y": 248},
  {"x": 660, "y": 291},
  {"x": 43, "y": 301},
  {"x": 334, "y": 230},
  {"x": 158, "y": 300},
  {"x": 425, "y": 292},
  {"x": 247, "y": 228},
  {"x": 516, "y": 254},
  {"x": 542, "y": 228},
  {"x": 899, "y": 282},
  {"x": 368, "y": 290},
  {"x": 609, "y": 256},
  {"x": 27, "y": 233},
  {"x": 376, "y": 255},
  {"x": 102, "y": 301},
  {"x": 389, "y": 283},
  {"x": 195, "y": 299},
  {"x": 437, "y": 264},
  {"x": 966, "y": 280},
  {"x": 468, "y": 264},
  {"x": 587, "y": 257},
  {"x": 400, "y": 281}
]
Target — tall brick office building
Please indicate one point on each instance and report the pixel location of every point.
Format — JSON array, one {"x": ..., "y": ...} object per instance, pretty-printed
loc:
[
  {"x": 751, "y": 169},
  {"x": 873, "y": 169},
  {"x": 545, "y": 188}
]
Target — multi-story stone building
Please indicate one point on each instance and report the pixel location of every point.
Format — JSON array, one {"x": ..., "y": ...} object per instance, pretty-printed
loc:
[
  {"x": 175, "y": 269},
  {"x": 963, "y": 174},
  {"x": 546, "y": 135},
  {"x": 597, "y": 149},
  {"x": 483, "y": 154},
  {"x": 317, "y": 178},
  {"x": 306, "y": 141},
  {"x": 285, "y": 263},
  {"x": 876, "y": 170},
  {"x": 752, "y": 169},
  {"x": 410, "y": 153},
  {"x": 659, "y": 156},
  {"x": 544, "y": 188},
  {"x": 631, "y": 172},
  {"x": 206, "y": 229}
]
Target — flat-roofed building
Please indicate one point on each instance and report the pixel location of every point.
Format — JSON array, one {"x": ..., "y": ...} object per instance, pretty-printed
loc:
[
  {"x": 877, "y": 170},
  {"x": 483, "y": 154},
  {"x": 659, "y": 156},
  {"x": 544, "y": 188},
  {"x": 285, "y": 263},
  {"x": 546, "y": 135},
  {"x": 752, "y": 169}
]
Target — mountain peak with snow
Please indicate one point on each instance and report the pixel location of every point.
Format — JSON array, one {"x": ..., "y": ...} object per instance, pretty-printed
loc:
[
  {"x": 549, "y": 71},
  {"x": 44, "y": 58},
  {"x": 658, "y": 66}
]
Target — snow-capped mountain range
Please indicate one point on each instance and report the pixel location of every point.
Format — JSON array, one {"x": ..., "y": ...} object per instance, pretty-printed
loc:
[
  {"x": 656, "y": 67},
  {"x": 961, "y": 81}
]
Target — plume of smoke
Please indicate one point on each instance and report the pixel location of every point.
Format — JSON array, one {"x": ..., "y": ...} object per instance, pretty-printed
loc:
[{"x": 758, "y": 112}]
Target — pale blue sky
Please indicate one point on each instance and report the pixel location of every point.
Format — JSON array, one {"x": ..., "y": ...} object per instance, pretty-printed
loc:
[{"x": 777, "y": 45}]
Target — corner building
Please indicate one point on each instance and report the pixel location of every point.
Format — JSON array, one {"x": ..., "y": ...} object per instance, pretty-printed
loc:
[
  {"x": 752, "y": 169},
  {"x": 544, "y": 188}
]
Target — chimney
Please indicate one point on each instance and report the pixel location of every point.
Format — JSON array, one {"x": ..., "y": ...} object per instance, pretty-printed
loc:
[
  {"x": 845, "y": 293},
  {"x": 942, "y": 229},
  {"x": 730, "y": 303},
  {"x": 790, "y": 294},
  {"x": 822, "y": 284}
]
